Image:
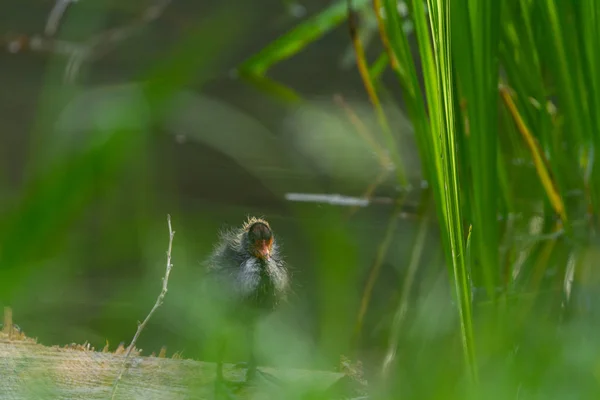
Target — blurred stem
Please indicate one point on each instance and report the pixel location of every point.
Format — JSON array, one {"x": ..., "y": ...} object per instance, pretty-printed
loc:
[
  {"x": 375, "y": 271},
  {"x": 363, "y": 69},
  {"x": 415, "y": 259},
  {"x": 539, "y": 160},
  {"x": 377, "y": 7},
  {"x": 364, "y": 133},
  {"x": 383, "y": 174},
  {"x": 542, "y": 262}
]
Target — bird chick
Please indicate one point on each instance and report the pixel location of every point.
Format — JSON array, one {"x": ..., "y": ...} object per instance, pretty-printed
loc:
[
  {"x": 247, "y": 263},
  {"x": 248, "y": 274}
]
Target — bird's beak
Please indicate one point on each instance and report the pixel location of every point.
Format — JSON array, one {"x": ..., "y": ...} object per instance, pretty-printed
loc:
[{"x": 264, "y": 250}]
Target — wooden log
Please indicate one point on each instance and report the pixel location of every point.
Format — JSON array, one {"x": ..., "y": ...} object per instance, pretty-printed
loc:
[{"x": 29, "y": 370}]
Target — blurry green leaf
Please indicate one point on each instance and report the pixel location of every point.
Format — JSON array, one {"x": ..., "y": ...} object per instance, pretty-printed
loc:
[
  {"x": 299, "y": 37},
  {"x": 273, "y": 88},
  {"x": 379, "y": 66}
]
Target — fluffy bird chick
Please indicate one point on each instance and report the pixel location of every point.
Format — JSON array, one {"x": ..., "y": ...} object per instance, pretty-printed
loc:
[{"x": 249, "y": 277}]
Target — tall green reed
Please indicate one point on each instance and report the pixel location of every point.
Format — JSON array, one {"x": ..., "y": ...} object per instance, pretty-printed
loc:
[{"x": 506, "y": 85}]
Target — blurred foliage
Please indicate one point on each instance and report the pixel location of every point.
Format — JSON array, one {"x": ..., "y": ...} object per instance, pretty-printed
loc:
[{"x": 497, "y": 150}]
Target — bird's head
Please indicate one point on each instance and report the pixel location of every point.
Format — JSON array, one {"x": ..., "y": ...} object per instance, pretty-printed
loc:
[{"x": 260, "y": 238}]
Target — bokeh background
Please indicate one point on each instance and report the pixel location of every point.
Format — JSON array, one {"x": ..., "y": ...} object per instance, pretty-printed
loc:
[
  {"x": 158, "y": 123},
  {"x": 114, "y": 114}
]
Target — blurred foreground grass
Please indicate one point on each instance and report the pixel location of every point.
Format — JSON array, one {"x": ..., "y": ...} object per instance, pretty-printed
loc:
[{"x": 502, "y": 100}]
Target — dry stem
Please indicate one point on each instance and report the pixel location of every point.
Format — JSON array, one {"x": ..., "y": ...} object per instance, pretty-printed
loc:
[{"x": 158, "y": 303}]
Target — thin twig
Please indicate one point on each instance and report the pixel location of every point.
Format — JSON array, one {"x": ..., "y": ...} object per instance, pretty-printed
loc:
[
  {"x": 91, "y": 49},
  {"x": 102, "y": 42},
  {"x": 158, "y": 303}
]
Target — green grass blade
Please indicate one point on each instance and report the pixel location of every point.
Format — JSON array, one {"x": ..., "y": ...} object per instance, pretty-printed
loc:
[
  {"x": 567, "y": 66},
  {"x": 402, "y": 63},
  {"x": 475, "y": 31},
  {"x": 442, "y": 108}
]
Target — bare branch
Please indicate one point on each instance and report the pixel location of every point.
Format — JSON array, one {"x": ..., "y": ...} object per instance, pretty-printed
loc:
[
  {"x": 89, "y": 50},
  {"x": 158, "y": 303}
]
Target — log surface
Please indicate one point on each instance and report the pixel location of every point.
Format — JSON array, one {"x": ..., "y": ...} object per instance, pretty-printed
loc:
[{"x": 32, "y": 371}]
